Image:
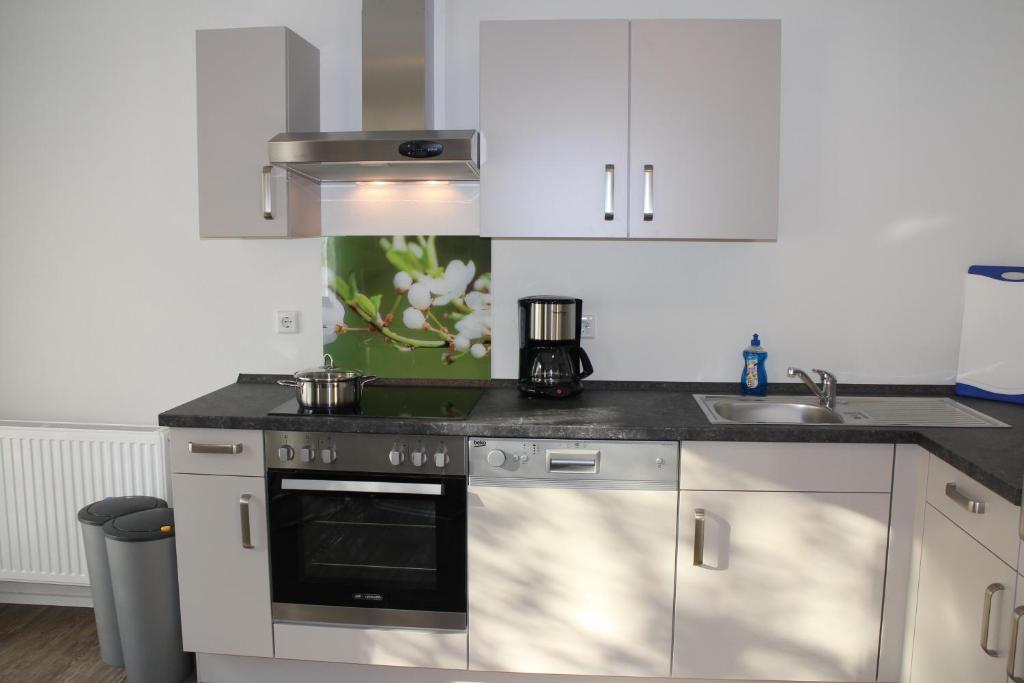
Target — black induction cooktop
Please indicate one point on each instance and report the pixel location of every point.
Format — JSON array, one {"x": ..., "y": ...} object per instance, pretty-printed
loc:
[{"x": 431, "y": 402}]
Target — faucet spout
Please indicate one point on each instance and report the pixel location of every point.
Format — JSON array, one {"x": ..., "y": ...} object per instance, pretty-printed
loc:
[{"x": 826, "y": 393}]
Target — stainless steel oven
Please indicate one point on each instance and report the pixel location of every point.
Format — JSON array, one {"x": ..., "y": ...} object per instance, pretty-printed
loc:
[{"x": 367, "y": 529}]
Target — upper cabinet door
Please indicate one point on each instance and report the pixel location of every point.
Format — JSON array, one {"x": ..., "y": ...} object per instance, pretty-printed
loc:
[
  {"x": 251, "y": 84},
  {"x": 704, "y": 129},
  {"x": 554, "y": 117}
]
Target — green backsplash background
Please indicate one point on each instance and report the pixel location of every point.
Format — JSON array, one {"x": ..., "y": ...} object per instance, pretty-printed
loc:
[{"x": 360, "y": 275}]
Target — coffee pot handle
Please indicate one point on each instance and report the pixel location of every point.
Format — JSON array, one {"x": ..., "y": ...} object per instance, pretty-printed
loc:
[{"x": 588, "y": 369}]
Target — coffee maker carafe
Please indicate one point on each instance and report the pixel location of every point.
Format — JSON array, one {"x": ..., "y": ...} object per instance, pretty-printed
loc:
[{"x": 551, "y": 361}]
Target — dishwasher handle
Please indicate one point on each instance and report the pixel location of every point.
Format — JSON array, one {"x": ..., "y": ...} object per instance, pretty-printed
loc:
[{"x": 574, "y": 460}]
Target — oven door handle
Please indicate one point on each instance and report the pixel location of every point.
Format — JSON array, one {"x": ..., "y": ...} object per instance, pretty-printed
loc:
[{"x": 360, "y": 486}]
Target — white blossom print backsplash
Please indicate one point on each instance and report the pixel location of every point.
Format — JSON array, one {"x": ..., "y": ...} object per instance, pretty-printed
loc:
[{"x": 408, "y": 307}]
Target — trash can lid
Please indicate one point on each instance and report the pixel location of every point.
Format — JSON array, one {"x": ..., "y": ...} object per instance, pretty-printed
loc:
[
  {"x": 148, "y": 525},
  {"x": 102, "y": 511}
]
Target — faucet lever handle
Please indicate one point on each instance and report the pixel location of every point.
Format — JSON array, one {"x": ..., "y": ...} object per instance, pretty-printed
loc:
[{"x": 825, "y": 375}]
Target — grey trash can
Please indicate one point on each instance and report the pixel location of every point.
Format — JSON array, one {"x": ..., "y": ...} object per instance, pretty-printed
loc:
[
  {"x": 92, "y": 518},
  {"x": 144, "y": 574}
]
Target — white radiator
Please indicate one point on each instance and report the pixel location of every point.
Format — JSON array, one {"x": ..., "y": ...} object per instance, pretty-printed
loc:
[{"x": 48, "y": 471}]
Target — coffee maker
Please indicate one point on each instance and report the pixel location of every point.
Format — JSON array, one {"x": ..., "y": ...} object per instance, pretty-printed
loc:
[{"x": 551, "y": 362}]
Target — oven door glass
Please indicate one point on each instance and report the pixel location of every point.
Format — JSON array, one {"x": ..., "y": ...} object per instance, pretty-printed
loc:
[{"x": 358, "y": 540}]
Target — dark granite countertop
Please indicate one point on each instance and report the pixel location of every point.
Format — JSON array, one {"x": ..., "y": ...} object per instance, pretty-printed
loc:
[{"x": 634, "y": 410}]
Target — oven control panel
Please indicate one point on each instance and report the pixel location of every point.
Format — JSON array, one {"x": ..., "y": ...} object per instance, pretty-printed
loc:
[{"x": 383, "y": 453}]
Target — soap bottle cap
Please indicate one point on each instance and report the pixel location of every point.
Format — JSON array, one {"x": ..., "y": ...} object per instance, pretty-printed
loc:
[{"x": 755, "y": 341}]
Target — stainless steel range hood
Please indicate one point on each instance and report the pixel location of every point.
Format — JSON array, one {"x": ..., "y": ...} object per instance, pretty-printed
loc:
[{"x": 395, "y": 145}]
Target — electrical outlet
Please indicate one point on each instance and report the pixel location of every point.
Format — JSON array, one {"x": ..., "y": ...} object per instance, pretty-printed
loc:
[
  {"x": 286, "y": 322},
  {"x": 587, "y": 327}
]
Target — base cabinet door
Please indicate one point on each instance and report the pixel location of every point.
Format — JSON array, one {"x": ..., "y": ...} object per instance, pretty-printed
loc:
[
  {"x": 780, "y": 585},
  {"x": 565, "y": 581},
  {"x": 224, "y": 585},
  {"x": 963, "y": 589}
]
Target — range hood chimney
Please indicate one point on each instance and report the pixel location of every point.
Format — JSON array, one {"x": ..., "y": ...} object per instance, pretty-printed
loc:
[{"x": 396, "y": 143}]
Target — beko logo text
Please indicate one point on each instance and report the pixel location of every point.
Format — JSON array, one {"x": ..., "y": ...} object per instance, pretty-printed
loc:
[
  {"x": 367, "y": 596},
  {"x": 477, "y": 444}
]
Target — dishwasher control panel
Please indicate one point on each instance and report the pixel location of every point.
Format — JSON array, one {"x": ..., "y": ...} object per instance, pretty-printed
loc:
[{"x": 551, "y": 459}]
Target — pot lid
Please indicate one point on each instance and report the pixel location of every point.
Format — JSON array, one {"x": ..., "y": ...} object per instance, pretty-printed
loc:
[{"x": 327, "y": 373}]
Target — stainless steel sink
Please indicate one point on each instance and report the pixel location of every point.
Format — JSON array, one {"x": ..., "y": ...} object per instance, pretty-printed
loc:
[
  {"x": 912, "y": 411},
  {"x": 771, "y": 412}
]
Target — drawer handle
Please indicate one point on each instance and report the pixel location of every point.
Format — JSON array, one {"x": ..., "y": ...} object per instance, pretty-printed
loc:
[
  {"x": 986, "y": 617},
  {"x": 976, "y": 507},
  {"x": 698, "y": 537},
  {"x": 215, "y": 448},
  {"x": 1011, "y": 658},
  {"x": 243, "y": 508},
  {"x": 609, "y": 192}
]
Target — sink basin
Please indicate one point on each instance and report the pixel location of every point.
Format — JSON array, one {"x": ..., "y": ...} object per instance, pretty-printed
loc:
[
  {"x": 910, "y": 411},
  {"x": 753, "y": 411}
]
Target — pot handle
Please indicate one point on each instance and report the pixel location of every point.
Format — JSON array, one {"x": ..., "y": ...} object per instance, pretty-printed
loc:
[
  {"x": 367, "y": 378},
  {"x": 288, "y": 382}
]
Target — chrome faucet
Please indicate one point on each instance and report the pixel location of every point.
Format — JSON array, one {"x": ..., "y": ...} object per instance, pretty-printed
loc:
[{"x": 826, "y": 393}]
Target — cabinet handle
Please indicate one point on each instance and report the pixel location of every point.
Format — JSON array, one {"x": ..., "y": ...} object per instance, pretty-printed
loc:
[
  {"x": 268, "y": 204},
  {"x": 976, "y": 507},
  {"x": 609, "y": 192},
  {"x": 1011, "y": 658},
  {"x": 986, "y": 617},
  {"x": 243, "y": 508},
  {"x": 698, "y": 537},
  {"x": 215, "y": 448},
  {"x": 648, "y": 192}
]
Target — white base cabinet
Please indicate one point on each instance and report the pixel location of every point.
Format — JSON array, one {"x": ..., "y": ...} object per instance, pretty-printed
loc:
[
  {"x": 563, "y": 581},
  {"x": 224, "y": 587},
  {"x": 789, "y": 585},
  {"x": 957, "y": 575}
]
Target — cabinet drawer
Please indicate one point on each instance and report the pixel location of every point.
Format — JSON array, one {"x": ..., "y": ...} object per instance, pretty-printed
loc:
[
  {"x": 735, "y": 466},
  {"x": 995, "y": 527},
  {"x": 217, "y": 451},
  {"x": 369, "y": 645}
]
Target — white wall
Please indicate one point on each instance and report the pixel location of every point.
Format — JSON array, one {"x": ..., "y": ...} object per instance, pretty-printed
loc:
[
  {"x": 902, "y": 163},
  {"x": 111, "y": 308}
]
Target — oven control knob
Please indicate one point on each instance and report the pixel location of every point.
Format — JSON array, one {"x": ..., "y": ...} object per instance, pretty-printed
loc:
[
  {"x": 496, "y": 458},
  {"x": 328, "y": 455},
  {"x": 418, "y": 457},
  {"x": 441, "y": 458},
  {"x": 285, "y": 453},
  {"x": 308, "y": 454},
  {"x": 397, "y": 456}
]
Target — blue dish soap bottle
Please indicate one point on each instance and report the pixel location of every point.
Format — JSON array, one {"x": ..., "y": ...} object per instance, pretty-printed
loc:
[{"x": 754, "y": 381}]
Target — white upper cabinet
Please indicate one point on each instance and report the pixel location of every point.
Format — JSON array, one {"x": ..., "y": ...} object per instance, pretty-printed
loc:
[
  {"x": 704, "y": 129},
  {"x": 554, "y": 116},
  {"x": 692, "y": 106},
  {"x": 251, "y": 84}
]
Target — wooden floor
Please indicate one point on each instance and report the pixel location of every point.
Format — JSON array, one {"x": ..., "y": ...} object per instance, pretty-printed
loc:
[{"x": 42, "y": 644}]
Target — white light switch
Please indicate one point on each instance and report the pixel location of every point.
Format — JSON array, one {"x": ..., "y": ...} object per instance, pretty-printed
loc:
[{"x": 286, "y": 322}]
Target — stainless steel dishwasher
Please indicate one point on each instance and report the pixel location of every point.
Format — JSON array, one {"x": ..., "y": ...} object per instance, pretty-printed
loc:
[{"x": 571, "y": 556}]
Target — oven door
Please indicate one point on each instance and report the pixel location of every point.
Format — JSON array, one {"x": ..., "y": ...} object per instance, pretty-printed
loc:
[{"x": 365, "y": 549}]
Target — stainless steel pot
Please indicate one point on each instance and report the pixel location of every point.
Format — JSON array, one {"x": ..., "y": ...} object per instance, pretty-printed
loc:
[{"x": 327, "y": 388}]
